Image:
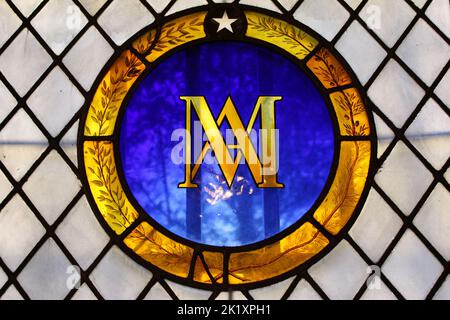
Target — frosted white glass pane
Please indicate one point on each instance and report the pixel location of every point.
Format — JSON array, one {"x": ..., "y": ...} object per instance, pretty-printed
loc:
[
  {"x": 406, "y": 264},
  {"x": 84, "y": 293},
  {"x": 363, "y": 55},
  {"x": 20, "y": 230},
  {"x": 323, "y": 16},
  {"x": 434, "y": 221},
  {"x": 52, "y": 177},
  {"x": 117, "y": 276},
  {"x": 395, "y": 93},
  {"x": 376, "y": 226},
  {"x": 88, "y": 56},
  {"x": 304, "y": 291},
  {"x": 58, "y": 23},
  {"x": 82, "y": 234},
  {"x": 123, "y": 18},
  {"x": 9, "y": 22},
  {"x": 395, "y": 178},
  {"x": 55, "y": 101},
  {"x": 157, "y": 292},
  {"x": 45, "y": 276},
  {"x": 430, "y": 134},
  {"x": 389, "y": 27},
  {"x": 341, "y": 273},
  {"x": 424, "y": 51},
  {"x": 275, "y": 291},
  {"x": 25, "y": 54},
  {"x": 188, "y": 293}
]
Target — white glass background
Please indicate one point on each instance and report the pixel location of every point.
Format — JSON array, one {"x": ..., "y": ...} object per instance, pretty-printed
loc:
[{"x": 52, "y": 51}]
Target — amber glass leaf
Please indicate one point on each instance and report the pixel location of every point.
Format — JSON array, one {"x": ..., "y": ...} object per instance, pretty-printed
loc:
[
  {"x": 347, "y": 187},
  {"x": 105, "y": 187},
  {"x": 214, "y": 262},
  {"x": 328, "y": 69},
  {"x": 173, "y": 34},
  {"x": 159, "y": 250},
  {"x": 280, "y": 33},
  {"x": 144, "y": 43},
  {"x": 351, "y": 113},
  {"x": 200, "y": 274},
  {"x": 108, "y": 98},
  {"x": 277, "y": 258}
]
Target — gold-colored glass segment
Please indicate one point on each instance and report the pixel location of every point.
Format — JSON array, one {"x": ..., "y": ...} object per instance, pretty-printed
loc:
[
  {"x": 348, "y": 185},
  {"x": 328, "y": 69},
  {"x": 213, "y": 261},
  {"x": 280, "y": 33},
  {"x": 351, "y": 113},
  {"x": 277, "y": 258},
  {"x": 105, "y": 185},
  {"x": 160, "y": 250},
  {"x": 108, "y": 98},
  {"x": 173, "y": 34}
]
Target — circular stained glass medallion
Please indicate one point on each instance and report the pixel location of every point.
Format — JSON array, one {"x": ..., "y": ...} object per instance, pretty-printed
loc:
[{"x": 226, "y": 147}]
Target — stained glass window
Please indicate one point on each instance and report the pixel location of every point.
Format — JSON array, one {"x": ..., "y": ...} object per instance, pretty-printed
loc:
[{"x": 224, "y": 149}]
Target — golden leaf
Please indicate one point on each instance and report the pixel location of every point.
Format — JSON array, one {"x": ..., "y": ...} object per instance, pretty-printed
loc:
[
  {"x": 173, "y": 34},
  {"x": 277, "y": 258},
  {"x": 105, "y": 187},
  {"x": 160, "y": 250},
  {"x": 348, "y": 185},
  {"x": 200, "y": 273},
  {"x": 351, "y": 113},
  {"x": 280, "y": 33},
  {"x": 144, "y": 43},
  {"x": 108, "y": 98},
  {"x": 328, "y": 69},
  {"x": 214, "y": 262}
]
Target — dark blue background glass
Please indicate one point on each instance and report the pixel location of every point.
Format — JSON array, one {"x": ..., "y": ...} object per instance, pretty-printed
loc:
[{"x": 245, "y": 213}]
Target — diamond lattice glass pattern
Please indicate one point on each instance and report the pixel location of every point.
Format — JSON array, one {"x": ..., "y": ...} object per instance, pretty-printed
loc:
[{"x": 403, "y": 65}]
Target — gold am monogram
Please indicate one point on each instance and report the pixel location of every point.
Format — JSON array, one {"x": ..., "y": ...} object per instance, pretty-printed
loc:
[{"x": 264, "y": 170}]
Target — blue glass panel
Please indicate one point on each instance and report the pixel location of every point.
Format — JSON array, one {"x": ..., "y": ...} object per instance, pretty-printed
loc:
[{"x": 244, "y": 213}]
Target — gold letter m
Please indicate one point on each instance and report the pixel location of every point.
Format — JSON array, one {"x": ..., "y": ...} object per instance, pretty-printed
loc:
[{"x": 264, "y": 172}]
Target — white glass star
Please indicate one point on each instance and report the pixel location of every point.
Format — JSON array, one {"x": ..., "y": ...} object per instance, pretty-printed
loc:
[{"x": 224, "y": 22}]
